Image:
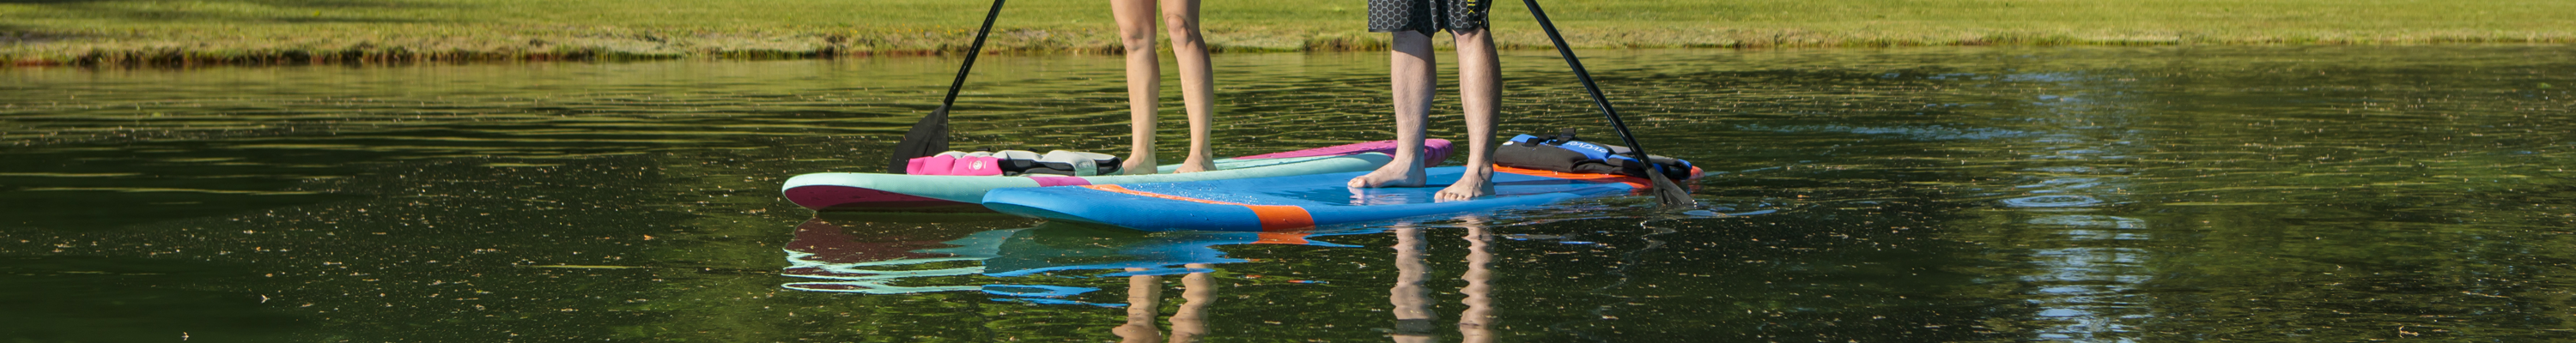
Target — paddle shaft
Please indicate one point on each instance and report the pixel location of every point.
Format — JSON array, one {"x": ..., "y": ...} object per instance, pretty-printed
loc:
[
  {"x": 971, "y": 51},
  {"x": 1666, "y": 192},
  {"x": 1588, "y": 86},
  {"x": 930, "y": 135}
]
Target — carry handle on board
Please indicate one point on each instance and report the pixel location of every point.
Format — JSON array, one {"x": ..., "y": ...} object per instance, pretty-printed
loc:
[
  {"x": 930, "y": 135},
  {"x": 1668, "y": 194}
]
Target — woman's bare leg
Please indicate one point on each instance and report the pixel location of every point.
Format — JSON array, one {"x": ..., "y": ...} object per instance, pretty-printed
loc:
[
  {"x": 1144, "y": 81},
  {"x": 1410, "y": 69},
  {"x": 1198, "y": 87},
  {"x": 1480, "y": 90}
]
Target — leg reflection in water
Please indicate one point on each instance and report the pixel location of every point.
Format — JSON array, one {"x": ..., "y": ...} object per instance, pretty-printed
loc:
[
  {"x": 1474, "y": 324},
  {"x": 1144, "y": 296},
  {"x": 1413, "y": 317},
  {"x": 1189, "y": 323},
  {"x": 1145, "y": 299}
]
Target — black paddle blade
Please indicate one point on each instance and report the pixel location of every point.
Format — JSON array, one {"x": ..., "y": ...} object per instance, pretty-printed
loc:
[
  {"x": 1671, "y": 195},
  {"x": 928, "y": 137}
]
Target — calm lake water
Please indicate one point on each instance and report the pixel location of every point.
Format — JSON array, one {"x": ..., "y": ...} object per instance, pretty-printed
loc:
[{"x": 1934, "y": 194}]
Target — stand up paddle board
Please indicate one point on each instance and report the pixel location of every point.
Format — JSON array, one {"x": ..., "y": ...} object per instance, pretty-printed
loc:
[
  {"x": 1292, "y": 203},
  {"x": 956, "y": 193}
]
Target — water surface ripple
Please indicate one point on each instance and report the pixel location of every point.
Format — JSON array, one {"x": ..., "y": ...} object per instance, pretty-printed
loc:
[{"x": 1920, "y": 194}]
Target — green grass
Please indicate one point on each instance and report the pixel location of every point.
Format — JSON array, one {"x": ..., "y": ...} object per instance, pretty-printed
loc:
[{"x": 115, "y": 32}]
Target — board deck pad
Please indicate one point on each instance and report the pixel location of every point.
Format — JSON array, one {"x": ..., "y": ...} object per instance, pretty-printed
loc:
[
  {"x": 1292, "y": 203},
  {"x": 961, "y": 193}
]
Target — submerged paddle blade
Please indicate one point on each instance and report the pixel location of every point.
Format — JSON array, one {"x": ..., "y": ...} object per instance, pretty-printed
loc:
[
  {"x": 928, "y": 137},
  {"x": 1669, "y": 194}
]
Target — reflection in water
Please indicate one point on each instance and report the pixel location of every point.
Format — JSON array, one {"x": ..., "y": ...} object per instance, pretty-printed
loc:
[
  {"x": 1189, "y": 324},
  {"x": 1475, "y": 325},
  {"x": 1145, "y": 295},
  {"x": 875, "y": 264},
  {"x": 997, "y": 261},
  {"x": 1415, "y": 319},
  {"x": 2084, "y": 280}
]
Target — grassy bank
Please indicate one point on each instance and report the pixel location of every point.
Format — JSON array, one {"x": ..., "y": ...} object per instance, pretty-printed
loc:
[{"x": 126, "y": 32}]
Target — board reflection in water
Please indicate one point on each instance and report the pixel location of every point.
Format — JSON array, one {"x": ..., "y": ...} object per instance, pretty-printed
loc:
[
  {"x": 972, "y": 255},
  {"x": 975, "y": 253}
]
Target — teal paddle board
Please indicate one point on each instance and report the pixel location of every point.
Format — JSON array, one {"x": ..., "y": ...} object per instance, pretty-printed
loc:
[{"x": 958, "y": 193}]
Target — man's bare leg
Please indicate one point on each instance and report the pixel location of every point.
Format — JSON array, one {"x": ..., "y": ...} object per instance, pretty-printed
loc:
[
  {"x": 1410, "y": 69},
  {"x": 1198, "y": 88},
  {"x": 1144, "y": 81},
  {"x": 1480, "y": 90}
]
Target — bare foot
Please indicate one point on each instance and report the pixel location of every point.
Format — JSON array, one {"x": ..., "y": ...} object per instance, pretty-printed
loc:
[
  {"x": 1195, "y": 165},
  {"x": 1137, "y": 166},
  {"x": 1393, "y": 174},
  {"x": 1477, "y": 182}
]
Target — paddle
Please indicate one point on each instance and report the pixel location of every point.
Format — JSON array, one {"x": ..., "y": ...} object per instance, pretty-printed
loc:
[
  {"x": 1669, "y": 194},
  {"x": 930, "y": 135}
]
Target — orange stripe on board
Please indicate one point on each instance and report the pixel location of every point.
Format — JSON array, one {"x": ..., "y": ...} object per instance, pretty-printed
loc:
[
  {"x": 1636, "y": 183},
  {"x": 1272, "y": 217},
  {"x": 1282, "y": 218}
]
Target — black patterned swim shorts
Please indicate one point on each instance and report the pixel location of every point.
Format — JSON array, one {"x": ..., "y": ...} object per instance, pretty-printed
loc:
[{"x": 1427, "y": 16}]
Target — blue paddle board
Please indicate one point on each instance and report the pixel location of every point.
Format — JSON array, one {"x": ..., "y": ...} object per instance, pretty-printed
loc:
[{"x": 1292, "y": 203}]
